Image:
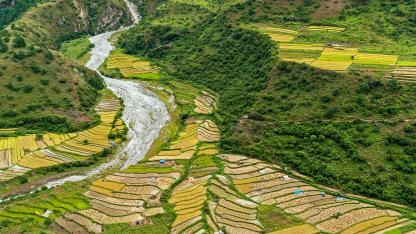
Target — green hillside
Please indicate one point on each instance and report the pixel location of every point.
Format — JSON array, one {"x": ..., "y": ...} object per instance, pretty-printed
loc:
[
  {"x": 349, "y": 130},
  {"x": 40, "y": 86}
]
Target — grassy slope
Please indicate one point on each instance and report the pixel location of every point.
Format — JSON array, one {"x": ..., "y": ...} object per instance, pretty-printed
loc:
[
  {"x": 352, "y": 132},
  {"x": 38, "y": 89}
]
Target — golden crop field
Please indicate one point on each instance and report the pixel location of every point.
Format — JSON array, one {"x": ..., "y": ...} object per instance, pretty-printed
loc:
[
  {"x": 406, "y": 63},
  {"x": 278, "y": 30},
  {"x": 379, "y": 59},
  {"x": 31, "y": 152},
  {"x": 325, "y": 28},
  {"x": 301, "y": 46},
  {"x": 130, "y": 66},
  {"x": 332, "y": 65},
  {"x": 281, "y": 37}
]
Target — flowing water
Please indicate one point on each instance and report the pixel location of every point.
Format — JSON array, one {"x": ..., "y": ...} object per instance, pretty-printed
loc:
[{"x": 144, "y": 113}]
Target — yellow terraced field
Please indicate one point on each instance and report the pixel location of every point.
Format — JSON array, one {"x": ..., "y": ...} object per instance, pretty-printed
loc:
[
  {"x": 205, "y": 104},
  {"x": 379, "y": 59},
  {"x": 130, "y": 66},
  {"x": 108, "y": 185},
  {"x": 281, "y": 37},
  {"x": 332, "y": 65},
  {"x": 278, "y": 30},
  {"x": 406, "y": 63},
  {"x": 301, "y": 229},
  {"x": 325, "y": 28},
  {"x": 368, "y": 224},
  {"x": 300, "y": 46}
]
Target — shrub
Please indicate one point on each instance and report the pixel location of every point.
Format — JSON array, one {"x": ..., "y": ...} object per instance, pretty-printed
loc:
[
  {"x": 12, "y": 87},
  {"x": 27, "y": 88},
  {"x": 44, "y": 81},
  {"x": 3, "y": 47},
  {"x": 19, "y": 42}
]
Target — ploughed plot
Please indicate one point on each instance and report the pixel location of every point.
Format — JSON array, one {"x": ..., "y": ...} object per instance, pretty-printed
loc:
[
  {"x": 267, "y": 185},
  {"x": 208, "y": 132},
  {"x": 403, "y": 74},
  {"x": 131, "y": 67},
  {"x": 230, "y": 211},
  {"x": 129, "y": 196},
  {"x": 205, "y": 104},
  {"x": 22, "y": 153}
]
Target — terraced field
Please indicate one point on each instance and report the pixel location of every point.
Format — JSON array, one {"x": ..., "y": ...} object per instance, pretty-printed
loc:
[
  {"x": 205, "y": 104},
  {"x": 23, "y": 153},
  {"x": 129, "y": 196},
  {"x": 403, "y": 74},
  {"x": 130, "y": 66},
  {"x": 266, "y": 184},
  {"x": 207, "y": 191},
  {"x": 45, "y": 208},
  {"x": 334, "y": 57}
]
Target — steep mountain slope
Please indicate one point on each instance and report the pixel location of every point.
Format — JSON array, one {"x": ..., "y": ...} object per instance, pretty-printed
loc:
[
  {"x": 352, "y": 131},
  {"x": 38, "y": 85}
]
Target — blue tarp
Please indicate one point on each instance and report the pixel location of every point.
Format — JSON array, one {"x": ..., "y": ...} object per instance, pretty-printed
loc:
[{"x": 298, "y": 192}]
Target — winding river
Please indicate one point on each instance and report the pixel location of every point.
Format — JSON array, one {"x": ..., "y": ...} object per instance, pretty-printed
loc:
[{"x": 144, "y": 113}]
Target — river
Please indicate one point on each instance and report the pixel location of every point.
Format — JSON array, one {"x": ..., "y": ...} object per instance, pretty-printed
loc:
[{"x": 144, "y": 113}]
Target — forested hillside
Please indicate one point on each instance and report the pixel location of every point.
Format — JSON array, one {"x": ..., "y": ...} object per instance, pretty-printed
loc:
[
  {"x": 350, "y": 130},
  {"x": 39, "y": 87}
]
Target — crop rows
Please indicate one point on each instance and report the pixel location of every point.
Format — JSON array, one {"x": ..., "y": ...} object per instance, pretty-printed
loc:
[
  {"x": 278, "y": 34},
  {"x": 231, "y": 211},
  {"x": 303, "y": 228},
  {"x": 325, "y": 28},
  {"x": 42, "y": 209},
  {"x": 208, "y": 149},
  {"x": 208, "y": 132},
  {"x": 30, "y": 152},
  {"x": 123, "y": 198},
  {"x": 266, "y": 185},
  {"x": 378, "y": 59},
  {"x": 130, "y": 66},
  {"x": 205, "y": 104},
  {"x": 403, "y": 74},
  {"x": 183, "y": 147},
  {"x": 188, "y": 199}
]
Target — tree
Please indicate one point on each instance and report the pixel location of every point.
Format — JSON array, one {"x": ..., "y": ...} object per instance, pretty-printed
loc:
[
  {"x": 3, "y": 47},
  {"x": 219, "y": 3},
  {"x": 19, "y": 42}
]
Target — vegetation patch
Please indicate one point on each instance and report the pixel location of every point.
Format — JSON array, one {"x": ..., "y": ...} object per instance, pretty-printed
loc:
[{"x": 273, "y": 218}]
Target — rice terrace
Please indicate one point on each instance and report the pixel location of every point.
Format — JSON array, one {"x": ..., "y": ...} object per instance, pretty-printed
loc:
[{"x": 203, "y": 116}]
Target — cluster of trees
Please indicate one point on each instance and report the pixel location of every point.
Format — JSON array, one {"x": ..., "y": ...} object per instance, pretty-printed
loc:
[
  {"x": 330, "y": 148},
  {"x": 10, "y": 13},
  {"x": 317, "y": 122}
]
